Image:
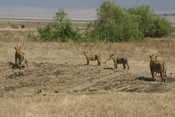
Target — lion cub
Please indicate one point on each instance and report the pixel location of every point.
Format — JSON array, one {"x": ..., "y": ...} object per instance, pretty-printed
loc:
[
  {"x": 119, "y": 60},
  {"x": 92, "y": 58},
  {"x": 157, "y": 66},
  {"x": 20, "y": 58}
]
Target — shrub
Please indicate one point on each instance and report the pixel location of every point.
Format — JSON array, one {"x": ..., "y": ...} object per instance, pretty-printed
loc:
[
  {"x": 115, "y": 24},
  {"x": 60, "y": 29},
  {"x": 160, "y": 28},
  {"x": 151, "y": 25}
]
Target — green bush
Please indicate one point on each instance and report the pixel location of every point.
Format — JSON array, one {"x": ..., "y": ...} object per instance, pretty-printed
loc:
[
  {"x": 160, "y": 28},
  {"x": 116, "y": 24},
  {"x": 151, "y": 25},
  {"x": 60, "y": 29},
  {"x": 113, "y": 24},
  {"x": 117, "y": 31}
]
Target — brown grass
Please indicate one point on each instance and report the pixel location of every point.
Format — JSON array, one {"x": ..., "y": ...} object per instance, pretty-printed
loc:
[
  {"x": 59, "y": 67},
  {"x": 104, "y": 105}
]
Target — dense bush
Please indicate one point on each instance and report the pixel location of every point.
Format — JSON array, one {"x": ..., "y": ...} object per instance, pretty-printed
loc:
[
  {"x": 160, "y": 28},
  {"x": 118, "y": 30},
  {"x": 116, "y": 24},
  {"x": 60, "y": 29},
  {"x": 151, "y": 25}
]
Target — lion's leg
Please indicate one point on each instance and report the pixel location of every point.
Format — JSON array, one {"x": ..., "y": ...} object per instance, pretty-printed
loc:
[
  {"x": 162, "y": 78},
  {"x": 16, "y": 60},
  {"x": 115, "y": 65},
  {"x": 98, "y": 61},
  {"x": 165, "y": 74},
  {"x": 152, "y": 73},
  {"x": 87, "y": 61},
  {"x": 21, "y": 60},
  {"x": 164, "y": 71},
  {"x": 26, "y": 63},
  {"x": 127, "y": 65},
  {"x": 124, "y": 66}
]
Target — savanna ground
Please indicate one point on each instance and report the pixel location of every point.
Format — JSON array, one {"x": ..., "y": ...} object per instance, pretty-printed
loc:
[{"x": 58, "y": 84}]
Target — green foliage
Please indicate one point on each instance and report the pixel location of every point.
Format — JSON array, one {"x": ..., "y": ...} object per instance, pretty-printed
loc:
[
  {"x": 60, "y": 29},
  {"x": 116, "y": 24},
  {"x": 113, "y": 24},
  {"x": 160, "y": 28},
  {"x": 151, "y": 25},
  {"x": 108, "y": 11},
  {"x": 117, "y": 31}
]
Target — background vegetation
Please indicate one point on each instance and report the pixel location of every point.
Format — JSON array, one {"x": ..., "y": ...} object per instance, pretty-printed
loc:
[
  {"x": 113, "y": 24},
  {"x": 60, "y": 29}
]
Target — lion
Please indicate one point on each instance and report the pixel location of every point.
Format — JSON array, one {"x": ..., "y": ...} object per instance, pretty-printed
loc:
[
  {"x": 94, "y": 57},
  {"x": 164, "y": 64},
  {"x": 119, "y": 60},
  {"x": 20, "y": 58},
  {"x": 157, "y": 66}
]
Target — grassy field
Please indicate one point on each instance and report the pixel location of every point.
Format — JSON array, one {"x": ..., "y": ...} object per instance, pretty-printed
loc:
[
  {"x": 58, "y": 84},
  {"x": 97, "y": 105}
]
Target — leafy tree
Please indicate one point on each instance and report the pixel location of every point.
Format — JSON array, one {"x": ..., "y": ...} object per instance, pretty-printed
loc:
[
  {"x": 151, "y": 25},
  {"x": 60, "y": 29},
  {"x": 115, "y": 24}
]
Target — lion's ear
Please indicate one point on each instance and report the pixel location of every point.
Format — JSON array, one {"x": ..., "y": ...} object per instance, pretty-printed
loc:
[
  {"x": 151, "y": 55},
  {"x": 112, "y": 55}
]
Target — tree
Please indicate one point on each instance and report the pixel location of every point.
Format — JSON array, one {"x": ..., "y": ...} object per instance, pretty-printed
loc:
[
  {"x": 151, "y": 25},
  {"x": 115, "y": 24},
  {"x": 60, "y": 29}
]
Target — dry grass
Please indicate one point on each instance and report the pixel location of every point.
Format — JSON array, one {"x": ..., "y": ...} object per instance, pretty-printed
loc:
[
  {"x": 100, "y": 105},
  {"x": 68, "y": 60},
  {"x": 71, "y": 53}
]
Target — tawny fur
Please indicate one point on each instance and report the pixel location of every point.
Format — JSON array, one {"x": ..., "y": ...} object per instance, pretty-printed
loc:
[
  {"x": 119, "y": 60},
  {"x": 20, "y": 58},
  {"x": 157, "y": 67},
  {"x": 92, "y": 58}
]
